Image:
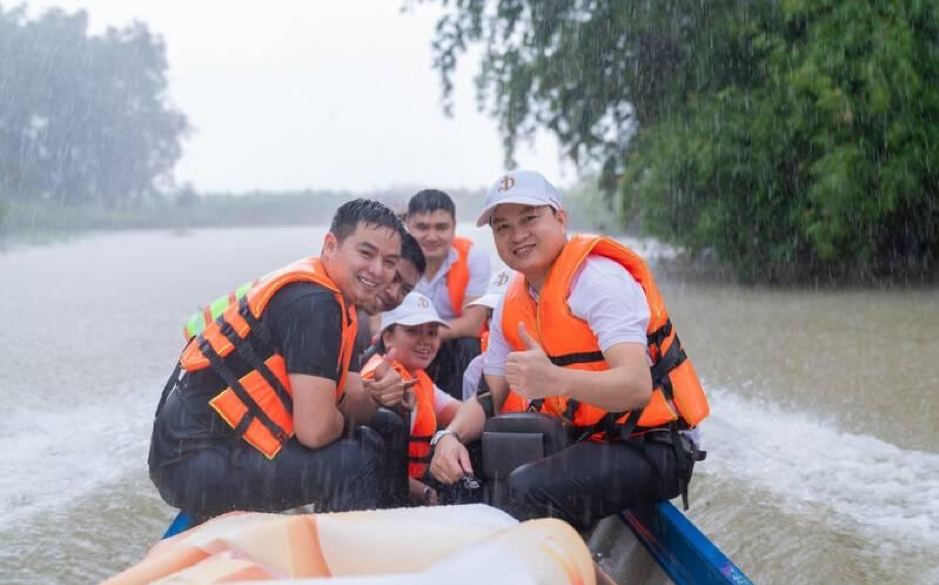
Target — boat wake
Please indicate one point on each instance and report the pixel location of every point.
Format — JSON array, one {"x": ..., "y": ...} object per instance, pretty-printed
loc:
[{"x": 888, "y": 494}]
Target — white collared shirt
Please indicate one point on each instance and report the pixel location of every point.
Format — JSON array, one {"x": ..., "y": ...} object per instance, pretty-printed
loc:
[
  {"x": 436, "y": 288},
  {"x": 604, "y": 294}
]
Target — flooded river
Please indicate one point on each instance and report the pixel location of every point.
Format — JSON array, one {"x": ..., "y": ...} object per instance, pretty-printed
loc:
[{"x": 822, "y": 464}]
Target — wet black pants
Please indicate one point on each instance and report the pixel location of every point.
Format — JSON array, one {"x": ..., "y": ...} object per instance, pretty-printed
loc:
[
  {"x": 352, "y": 473},
  {"x": 589, "y": 481}
]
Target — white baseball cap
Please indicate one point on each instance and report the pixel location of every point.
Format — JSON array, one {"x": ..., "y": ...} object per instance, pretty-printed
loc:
[
  {"x": 522, "y": 187},
  {"x": 416, "y": 309},
  {"x": 498, "y": 284}
]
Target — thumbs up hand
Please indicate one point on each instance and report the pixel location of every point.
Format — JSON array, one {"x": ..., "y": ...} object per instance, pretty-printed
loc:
[
  {"x": 530, "y": 373},
  {"x": 388, "y": 388},
  {"x": 385, "y": 365},
  {"x": 530, "y": 343}
]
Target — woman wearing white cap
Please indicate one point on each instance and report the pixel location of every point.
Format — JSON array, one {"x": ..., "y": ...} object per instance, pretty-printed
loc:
[{"x": 409, "y": 342}]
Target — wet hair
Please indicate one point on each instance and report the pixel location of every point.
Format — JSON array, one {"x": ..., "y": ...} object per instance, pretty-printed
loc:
[
  {"x": 365, "y": 211},
  {"x": 411, "y": 250},
  {"x": 430, "y": 200}
]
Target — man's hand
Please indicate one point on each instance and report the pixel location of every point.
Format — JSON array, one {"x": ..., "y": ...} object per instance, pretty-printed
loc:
[
  {"x": 388, "y": 389},
  {"x": 451, "y": 460},
  {"x": 421, "y": 494},
  {"x": 530, "y": 373}
]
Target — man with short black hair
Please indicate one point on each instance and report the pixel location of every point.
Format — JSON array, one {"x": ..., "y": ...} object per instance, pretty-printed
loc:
[
  {"x": 410, "y": 269},
  {"x": 254, "y": 416},
  {"x": 457, "y": 273}
]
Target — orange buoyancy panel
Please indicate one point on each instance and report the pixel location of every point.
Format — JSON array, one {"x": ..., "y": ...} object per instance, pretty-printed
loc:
[
  {"x": 458, "y": 276},
  {"x": 425, "y": 415},
  {"x": 569, "y": 342},
  {"x": 259, "y": 405}
]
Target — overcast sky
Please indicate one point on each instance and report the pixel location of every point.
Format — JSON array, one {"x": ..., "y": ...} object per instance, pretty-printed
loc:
[{"x": 334, "y": 94}]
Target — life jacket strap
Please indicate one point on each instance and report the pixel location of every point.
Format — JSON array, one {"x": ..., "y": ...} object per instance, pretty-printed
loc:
[
  {"x": 672, "y": 358},
  {"x": 257, "y": 327},
  {"x": 661, "y": 334},
  {"x": 246, "y": 351},
  {"x": 583, "y": 357},
  {"x": 570, "y": 411},
  {"x": 254, "y": 410},
  {"x": 609, "y": 427},
  {"x": 686, "y": 457}
]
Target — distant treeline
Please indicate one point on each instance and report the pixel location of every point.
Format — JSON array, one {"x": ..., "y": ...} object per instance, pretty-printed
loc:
[
  {"x": 187, "y": 209},
  {"x": 790, "y": 139}
]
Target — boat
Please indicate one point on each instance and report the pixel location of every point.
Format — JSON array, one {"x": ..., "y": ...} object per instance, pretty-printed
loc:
[
  {"x": 472, "y": 543},
  {"x": 475, "y": 543}
]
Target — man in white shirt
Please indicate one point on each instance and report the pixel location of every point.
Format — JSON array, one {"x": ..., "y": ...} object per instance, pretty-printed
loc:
[
  {"x": 574, "y": 338},
  {"x": 457, "y": 272}
]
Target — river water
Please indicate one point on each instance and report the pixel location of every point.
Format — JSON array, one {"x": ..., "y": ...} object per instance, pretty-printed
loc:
[{"x": 822, "y": 464}]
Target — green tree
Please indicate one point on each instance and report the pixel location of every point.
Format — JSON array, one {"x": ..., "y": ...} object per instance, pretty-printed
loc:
[
  {"x": 83, "y": 119},
  {"x": 793, "y": 138}
]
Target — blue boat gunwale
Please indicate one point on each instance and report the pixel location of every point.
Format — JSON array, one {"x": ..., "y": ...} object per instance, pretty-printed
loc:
[{"x": 685, "y": 554}]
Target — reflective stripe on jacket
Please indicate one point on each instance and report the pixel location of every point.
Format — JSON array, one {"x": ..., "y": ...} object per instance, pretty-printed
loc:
[{"x": 259, "y": 404}]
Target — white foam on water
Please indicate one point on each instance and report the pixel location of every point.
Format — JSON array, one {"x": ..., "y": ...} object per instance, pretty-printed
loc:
[
  {"x": 55, "y": 456},
  {"x": 888, "y": 494}
]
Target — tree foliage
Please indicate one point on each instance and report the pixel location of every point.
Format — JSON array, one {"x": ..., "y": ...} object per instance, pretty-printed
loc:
[
  {"x": 791, "y": 137},
  {"x": 83, "y": 119}
]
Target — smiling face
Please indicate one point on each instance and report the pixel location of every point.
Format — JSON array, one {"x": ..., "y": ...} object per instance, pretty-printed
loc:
[
  {"x": 434, "y": 231},
  {"x": 416, "y": 345},
  {"x": 528, "y": 238},
  {"x": 363, "y": 263},
  {"x": 391, "y": 295}
]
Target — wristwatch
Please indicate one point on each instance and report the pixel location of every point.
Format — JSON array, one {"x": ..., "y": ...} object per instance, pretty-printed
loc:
[{"x": 441, "y": 434}]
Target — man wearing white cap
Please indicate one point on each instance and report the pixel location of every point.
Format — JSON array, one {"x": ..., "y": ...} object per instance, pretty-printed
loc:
[
  {"x": 457, "y": 272},
  {"x": 582, "y": 335}
]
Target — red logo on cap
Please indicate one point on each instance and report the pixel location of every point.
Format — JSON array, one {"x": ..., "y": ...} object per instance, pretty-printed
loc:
[{"x": 506, "y": 183}]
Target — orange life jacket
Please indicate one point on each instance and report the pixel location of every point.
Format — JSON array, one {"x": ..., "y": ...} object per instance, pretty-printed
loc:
[
  {"x": 677, "y": 395},
  {"x": 459, "y": 274},
  {"x": 259, "y": 405},
  {"x": 425, "y": 415}
]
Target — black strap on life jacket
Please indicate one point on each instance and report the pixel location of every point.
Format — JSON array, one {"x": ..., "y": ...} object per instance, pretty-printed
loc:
[
  {"x": 254, "y": 410},
  {"x": 685, "y": 460},
  {"x": 568, "y": 359},
  {"x": 659, "y": 335},
  {"x": 672, "y": 358},
  {"x": 667, "y": 362},
  {"x": 244, "y": 348},
  {"x": 257, "y": 327},
  {"x": 420, "y": 439}
]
